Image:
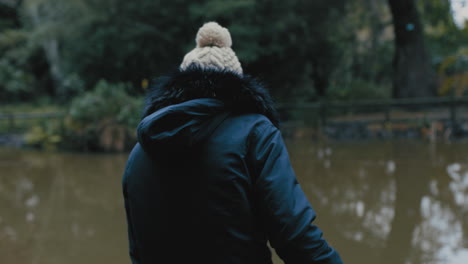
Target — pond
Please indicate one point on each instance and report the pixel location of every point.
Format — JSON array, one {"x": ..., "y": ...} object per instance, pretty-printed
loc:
[{"x": 377, "y": 202}]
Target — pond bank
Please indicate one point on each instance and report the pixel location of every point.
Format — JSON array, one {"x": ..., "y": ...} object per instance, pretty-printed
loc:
[
  {"x": 364, "y": 130},
  {"x": 12, "y": 140},
  {"x": 116, "y": 140}
]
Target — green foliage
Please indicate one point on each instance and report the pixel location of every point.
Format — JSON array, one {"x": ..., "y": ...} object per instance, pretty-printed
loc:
[
  {"x": 132, "y": 40},
  {"x": 46, "y": 135},
  {"x": 8, "y": 18},
  {"x": 23, "y": 68},
  {"x": 103, "y": 119},
  {"x": 453, "y": 74},
  {"x": 359, "y": 89},
  {"x": 106, "y": 101},
  {"x": 302, "y": 49},
  {"x": 15, "y": 82},
  {"x": 15, "y": 78},
  {"x": 442, "y": 34},
  {"x": 125, "y": 40}
]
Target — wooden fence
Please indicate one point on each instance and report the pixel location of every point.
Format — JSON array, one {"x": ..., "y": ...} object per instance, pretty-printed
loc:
[
  {"x": 10, "y": 122},
  {"x": 334, "y": 111},
  {"x": 324, "y": 112}
]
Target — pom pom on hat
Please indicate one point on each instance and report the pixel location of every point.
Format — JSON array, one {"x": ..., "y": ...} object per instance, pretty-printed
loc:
[
  {"x": 212, "y": 34},
  {"x": 213, "y": 50}
]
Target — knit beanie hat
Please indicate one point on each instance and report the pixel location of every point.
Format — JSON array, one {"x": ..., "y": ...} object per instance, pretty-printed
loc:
[{"x": 213, "y": 50}]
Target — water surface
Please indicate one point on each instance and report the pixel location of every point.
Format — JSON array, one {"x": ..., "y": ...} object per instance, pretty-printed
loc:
[{"x": 377, "y": 202}]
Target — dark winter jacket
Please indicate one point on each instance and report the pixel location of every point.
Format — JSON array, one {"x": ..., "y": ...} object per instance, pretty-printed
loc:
[{"x": 210, "y": 180}]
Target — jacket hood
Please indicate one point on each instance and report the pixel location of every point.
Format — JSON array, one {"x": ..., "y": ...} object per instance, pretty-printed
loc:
[
  {"x": 180, "y": 126},
  {"x": 240, "y": 93},
  {"x": 185, "y": 107}
]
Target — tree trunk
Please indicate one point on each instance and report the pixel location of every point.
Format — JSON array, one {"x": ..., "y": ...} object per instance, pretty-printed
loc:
[
  {"x": 320, "y": 79},
  {"x": 413, "y": 76},
  {"x": 9, "y": 11}
]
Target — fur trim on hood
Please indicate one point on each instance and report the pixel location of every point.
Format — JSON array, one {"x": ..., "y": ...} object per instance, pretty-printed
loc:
[{"x": 239, "y": 93}]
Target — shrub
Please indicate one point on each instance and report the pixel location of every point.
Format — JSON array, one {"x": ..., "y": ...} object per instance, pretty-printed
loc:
[
  {"x": 103, "y": 119},
  {"x": 359, "y": 89},
  {"x": 45, "y": 135}
]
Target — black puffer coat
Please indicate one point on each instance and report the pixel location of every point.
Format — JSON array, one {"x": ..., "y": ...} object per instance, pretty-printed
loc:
[{"x": 210, "y": 180}]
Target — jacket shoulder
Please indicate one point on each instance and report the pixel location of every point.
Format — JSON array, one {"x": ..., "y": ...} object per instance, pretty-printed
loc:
[
  {"x": 253, "y": 121},
  {"x": 251, "y": 124}
]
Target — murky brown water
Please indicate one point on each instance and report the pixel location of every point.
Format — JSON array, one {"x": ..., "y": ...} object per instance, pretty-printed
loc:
[{"x": 381, "y": 202}]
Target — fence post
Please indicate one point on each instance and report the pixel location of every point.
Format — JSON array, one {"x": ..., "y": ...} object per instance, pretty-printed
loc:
[
  {"x": 323, "y": 113},
  {"x": 453, "y": 114},
  {"x": 11, "y": 122},
  {"x": 387, "y": 113}
]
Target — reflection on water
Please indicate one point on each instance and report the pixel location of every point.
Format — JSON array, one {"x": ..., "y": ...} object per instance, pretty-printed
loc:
[
  {"x": 61, "y": 208},
  {"x": 381, "y": 202},
  {"x": 389, "y": 202}
]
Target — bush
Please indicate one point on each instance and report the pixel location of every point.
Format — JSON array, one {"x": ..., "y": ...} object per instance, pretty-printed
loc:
[
  {"x": 103, "y": 119},
  {"x": 45, "y": 135},
  {"x": 16, "y": 78},
  {"x": 359, "y": 89}
]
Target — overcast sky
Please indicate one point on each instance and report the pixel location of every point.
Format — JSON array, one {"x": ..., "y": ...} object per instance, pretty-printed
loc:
[{"x": 460, "y": 11}]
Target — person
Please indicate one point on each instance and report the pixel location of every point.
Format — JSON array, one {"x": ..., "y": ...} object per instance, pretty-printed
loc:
[{"x": 210, "y": 180}]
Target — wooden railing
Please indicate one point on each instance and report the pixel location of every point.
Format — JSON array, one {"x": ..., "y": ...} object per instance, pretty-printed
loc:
[
  {"x": 12, "y": 119},
  {"x": 326, "y": 111}
]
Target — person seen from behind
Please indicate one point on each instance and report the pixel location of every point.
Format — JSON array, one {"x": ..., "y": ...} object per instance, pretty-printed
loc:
[{"x": 210, "y": 180}]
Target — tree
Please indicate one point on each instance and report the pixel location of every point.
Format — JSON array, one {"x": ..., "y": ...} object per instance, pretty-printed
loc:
[
  {"x": 413, "y": 76},
  {"x": 294, "y": 45},
  {"x": 8, "y": 15},
  {"x": 17, "y": 72}
]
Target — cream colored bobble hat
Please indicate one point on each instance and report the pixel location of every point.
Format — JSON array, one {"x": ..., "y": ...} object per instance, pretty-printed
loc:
[{"x": 213, "y": 50}]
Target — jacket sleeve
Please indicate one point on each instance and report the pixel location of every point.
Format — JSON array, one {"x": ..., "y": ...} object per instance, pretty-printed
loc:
[
  {"x": 282, "y": 205},
  {"x": 130, "y": 229}
]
